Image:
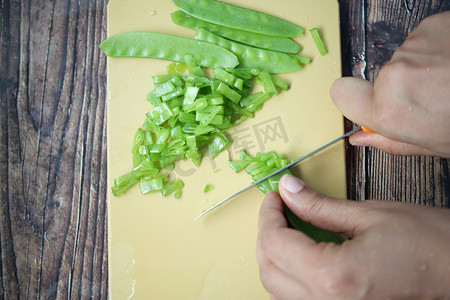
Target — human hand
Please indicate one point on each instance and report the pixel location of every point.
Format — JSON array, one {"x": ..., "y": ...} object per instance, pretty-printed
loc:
[
  {"x": 408, "y": 106},
  {"x": 396, "y": 250}
]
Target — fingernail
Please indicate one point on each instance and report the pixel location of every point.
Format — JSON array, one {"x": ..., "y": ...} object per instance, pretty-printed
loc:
[
  {"x": 292, "y": 184},
  {"x": 357, "y": 144}
]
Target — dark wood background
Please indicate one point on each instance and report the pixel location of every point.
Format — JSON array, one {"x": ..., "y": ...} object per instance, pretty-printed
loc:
[{"x": 53, "y": 216}]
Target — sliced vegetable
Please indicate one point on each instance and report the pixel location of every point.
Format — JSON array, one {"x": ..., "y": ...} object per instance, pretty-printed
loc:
[
  {"x": 172, "y": 187},
  {"x": 198, "y": 112},
  {"x": 228, "y": 15},
  {"x": 281, "y": 44},
  {"x": 267, "y": 83},
  {"x": 207, "y": 188},
  {"x": 318, "y": 41},
  {"x": 177, "y": 194},
  {"x": 168, "y": 47},
  {"x": 219, "y": 143},
  {"x": 228, "y": 92},
  {"x": 251, "y": 57},
  {"x": 146, "y": 186},
  {"x": 192, "y": 66},
  {"x": 266, "y": 163}
]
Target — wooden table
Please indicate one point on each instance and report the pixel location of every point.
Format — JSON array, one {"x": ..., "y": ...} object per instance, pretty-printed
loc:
[{"x": 53, "y": 216}]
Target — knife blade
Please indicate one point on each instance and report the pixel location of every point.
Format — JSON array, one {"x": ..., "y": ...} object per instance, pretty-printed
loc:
[{"x": 278, "y": 171}]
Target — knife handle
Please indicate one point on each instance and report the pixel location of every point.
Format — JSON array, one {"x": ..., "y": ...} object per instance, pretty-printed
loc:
[{"x": 365, "y": 129}]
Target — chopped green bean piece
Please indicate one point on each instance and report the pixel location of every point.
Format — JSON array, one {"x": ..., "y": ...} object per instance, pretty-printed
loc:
[
  {"x": 146, "y": 186},
  {"x": 223, "y": 75},
  {"x": 218, "y": 144},
  {"x": 228, "y": 92},
  {"x": 180, "y": 68},
  {"x": 280, "y": 83},
  {"x": 267, "y": 83},
  {"x": 190, "y": 95},
  {"x": 177, "y": 194},
  {"x": 172, "y": 187},
  {"x": 263, "y": 165},
  {"x": 238, "y": 166},
  {"x": 207, "y": 188},
  {"x": 318, "y": 41},
  {"x": 192, "y": 66},
  {"x": 160, "y": 114}
]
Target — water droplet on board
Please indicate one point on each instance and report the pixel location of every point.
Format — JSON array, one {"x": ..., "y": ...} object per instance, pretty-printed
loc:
[
  {"x": 423, "y": 267},
  {"x": 152, "y": 12}
]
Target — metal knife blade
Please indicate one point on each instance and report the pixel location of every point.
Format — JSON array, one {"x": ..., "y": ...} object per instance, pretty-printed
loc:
[{"x": 278, "y": 171}]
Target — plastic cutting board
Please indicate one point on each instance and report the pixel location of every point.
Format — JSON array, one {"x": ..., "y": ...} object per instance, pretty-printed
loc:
[{"x": 155, "y": 250}]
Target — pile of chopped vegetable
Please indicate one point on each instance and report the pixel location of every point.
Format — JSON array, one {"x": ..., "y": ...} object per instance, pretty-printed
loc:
[
  {"x": 192, "y": 112},
  {"x": 264, "y": 164}
]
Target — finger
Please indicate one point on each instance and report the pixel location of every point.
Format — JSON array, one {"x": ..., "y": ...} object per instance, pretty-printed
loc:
[
  {"x": 271, "y": 213},
  {"x": 354, "y": 97},
  {"x": 275, "y": 281},
  {"x": 283, "y": 246},
  {"x": 337, "y": 215},
  {"x": 388, "y": 145}
]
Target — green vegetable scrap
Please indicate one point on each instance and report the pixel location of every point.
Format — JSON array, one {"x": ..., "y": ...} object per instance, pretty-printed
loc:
[
  {"x": 207, "y": 188},
  {"x": 275, "y": 43},
  {"x": 228, "y": 15},
  {"x": 318, "y": 41},
  {"x": 264, "y": 164},
  {"x": 167, "y": 47},
  {"x": 190, "y": 116}
]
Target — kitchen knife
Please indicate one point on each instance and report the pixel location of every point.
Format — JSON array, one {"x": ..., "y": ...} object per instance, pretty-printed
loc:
[{"x": 278, "y": 171}]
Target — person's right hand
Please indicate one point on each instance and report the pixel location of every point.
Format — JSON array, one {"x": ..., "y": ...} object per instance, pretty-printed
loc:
[{"x": 408, "y": 106}]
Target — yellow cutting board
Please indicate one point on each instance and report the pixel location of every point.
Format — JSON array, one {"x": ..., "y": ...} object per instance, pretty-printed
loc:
[{"x": 155, "y": 250}]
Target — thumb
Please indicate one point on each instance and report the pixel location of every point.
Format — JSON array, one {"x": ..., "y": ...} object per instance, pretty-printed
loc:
[
  {"x": 353, "y": 97},
  {"x": 337, "y": 215}
]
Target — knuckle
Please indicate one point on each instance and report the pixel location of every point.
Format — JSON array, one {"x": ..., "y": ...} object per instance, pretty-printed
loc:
[
  {"x": 392, "y": 90},
  {"x": 339, "y": 283},
  {"x": 267, "y": 276},
  {"x": 316, "y": 204}
]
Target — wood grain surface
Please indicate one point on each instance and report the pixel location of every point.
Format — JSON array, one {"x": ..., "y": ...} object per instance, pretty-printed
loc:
[{"x": 53, "y": 216}]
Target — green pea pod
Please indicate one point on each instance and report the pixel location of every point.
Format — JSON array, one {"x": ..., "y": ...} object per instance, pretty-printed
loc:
[
  {"x": 228, "y": 15},
  {"x": 251, "y": 57},
  {"x": 261, "y": 166},
  {"x": 167, "y": 47},
  {"x": 275, "y": 43}
]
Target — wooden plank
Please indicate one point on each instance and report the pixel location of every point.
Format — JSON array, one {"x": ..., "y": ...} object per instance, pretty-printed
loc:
[
  {"x": 423, "y": 180},
  {"x": 354, "y": 62},
  {"x": 376, "y": 29},
  {"x": 53, "y": 204}
]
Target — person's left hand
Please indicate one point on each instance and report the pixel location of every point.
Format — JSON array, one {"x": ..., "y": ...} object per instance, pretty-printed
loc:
[{"x": 396, "y": 250}]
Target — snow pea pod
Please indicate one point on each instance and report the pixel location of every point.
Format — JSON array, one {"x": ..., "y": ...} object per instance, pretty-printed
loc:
[
  {"x": 167, "y": 47},
  {"x": 275, "y": 43},
  {"x": 265, "y": 163},
  {"x": 228, "y": 15},
  {"x": 251, "y": 57}
]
